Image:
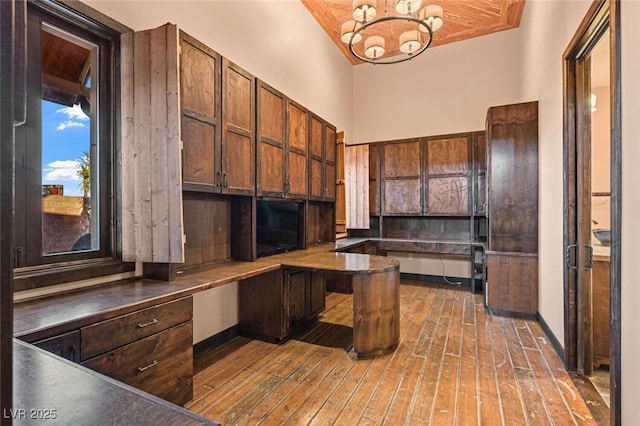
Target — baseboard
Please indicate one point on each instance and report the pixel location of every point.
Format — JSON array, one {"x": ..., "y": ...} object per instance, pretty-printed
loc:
[
  {"x": 436, "y": 279},
  {"x": 216, "y": 340},
  {"x": 555, "y": 343}
]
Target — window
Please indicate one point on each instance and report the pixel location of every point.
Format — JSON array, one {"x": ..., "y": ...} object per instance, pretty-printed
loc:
[{"x": 64, "y": 162}]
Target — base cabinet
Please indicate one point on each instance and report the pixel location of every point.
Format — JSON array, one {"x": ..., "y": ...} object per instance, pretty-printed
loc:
[
  {"x": 65, "y": 345},
  {"x": 150, "y": 349},
  {"x": 275, "y": 305},
  {"x": 512, "y": 282}
]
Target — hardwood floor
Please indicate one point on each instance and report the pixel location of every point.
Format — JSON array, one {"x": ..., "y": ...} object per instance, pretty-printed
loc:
[{"x": 454, "y": 365}]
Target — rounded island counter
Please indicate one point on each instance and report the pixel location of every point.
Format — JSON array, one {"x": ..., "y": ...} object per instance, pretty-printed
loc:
[{"x": 376, "y": 296}]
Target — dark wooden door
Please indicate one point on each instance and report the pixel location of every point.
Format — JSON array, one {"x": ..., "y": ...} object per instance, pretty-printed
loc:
[
  {"x": 316, "y": 160},
  {"x": 297, "y": 176},
  {"x": 402, "y": 178},
  {"x": 316, "y": 294},
  {"x": 238, "y": 130},
  {"x": 513, "y": 178},
  {"x": 271, "y": 140},
  {"x": 295, "y": 300},
  {"x": 201, "y": 130},
  {"x": 448, "y": 175}
]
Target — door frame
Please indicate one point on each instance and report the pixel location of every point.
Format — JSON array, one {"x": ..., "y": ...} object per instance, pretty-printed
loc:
[{"x": 601, "y": 16}]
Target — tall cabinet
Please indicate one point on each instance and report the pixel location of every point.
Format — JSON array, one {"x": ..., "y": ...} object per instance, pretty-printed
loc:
[{"x": 512, "y": 173}]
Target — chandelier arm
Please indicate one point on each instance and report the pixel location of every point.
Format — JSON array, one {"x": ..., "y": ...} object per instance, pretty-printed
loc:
[{"x": 392, "y": 59}]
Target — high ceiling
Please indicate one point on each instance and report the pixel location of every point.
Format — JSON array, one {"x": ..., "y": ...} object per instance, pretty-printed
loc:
[{"x": 463, "y": 19}]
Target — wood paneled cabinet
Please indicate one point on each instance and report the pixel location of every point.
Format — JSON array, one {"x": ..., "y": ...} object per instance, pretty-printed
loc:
[
  {"x": 448, "y": 173},
  {"x": 512, "y": 177},
  {"x": 282, "y": 134},
  {"x": 402, "y": 178},
  {"x": 150, "y": 349},
  {"x": 277, "y": 304},
  {"x": 218, "y": 121},
  {"x": 426, "y": 176},
  {"x": 322, "y": 159}
]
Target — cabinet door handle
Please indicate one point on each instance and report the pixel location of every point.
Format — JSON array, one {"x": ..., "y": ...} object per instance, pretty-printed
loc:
[
  {"x": 147, "y": 324},
  {"x": 219, "y": 179},
  {"x": 225, "y": 180},
  {"x": 146, "y": 367},
  {"x": 567, "y": 256}
]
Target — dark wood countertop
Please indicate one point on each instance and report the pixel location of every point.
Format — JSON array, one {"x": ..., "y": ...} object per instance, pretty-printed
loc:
[
  {"x": 41, "y": 318},
  {"x": 68, "y": 394}
]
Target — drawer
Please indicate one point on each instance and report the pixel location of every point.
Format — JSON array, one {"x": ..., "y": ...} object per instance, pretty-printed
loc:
[
  {"x": 161, "y": 364},
  {"x": 110, "y": 334}
]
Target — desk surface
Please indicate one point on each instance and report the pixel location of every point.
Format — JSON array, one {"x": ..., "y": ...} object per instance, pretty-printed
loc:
[{"x": 50, "y": 390}]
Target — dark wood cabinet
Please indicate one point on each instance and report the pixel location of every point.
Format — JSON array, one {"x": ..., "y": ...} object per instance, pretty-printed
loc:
[
  {"x": 151, "y": 349},
  {"x": 402, "y": 173},
  {"x": 374, "y": 179},
  {"x": 281, "y": 159},
  {"x": 200, "y": 72},
  {"x": 277, "y": 304},
  {"x": 479, "y": 173},
  {"x": 512, "y": 178},
  {"x": 66, "y": 345},
  {"x": 447, "y": 175},
  {"x": 322, "y": 159},
  {"x": 238, "y": 130}
]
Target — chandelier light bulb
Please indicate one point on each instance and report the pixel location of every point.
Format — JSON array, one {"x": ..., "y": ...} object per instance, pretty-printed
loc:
[
  {"x": 347, "y": 30},
  {"x": 410, "y": 41},
  {"x": 374, "y": 47},
  {"x": 408, "y": 7},
  {"x": 364, "y": 10},
  {"x": 432, "y": 16}
]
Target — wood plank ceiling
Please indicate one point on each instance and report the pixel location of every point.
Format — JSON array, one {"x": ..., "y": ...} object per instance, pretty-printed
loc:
[{"x": 462, "y": 19}]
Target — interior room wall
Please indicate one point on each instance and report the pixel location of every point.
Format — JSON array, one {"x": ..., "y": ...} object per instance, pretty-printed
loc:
[
  {"x": 277, "y": 41},
  {"x": 447, "y": 89},
  {"x": 630, "y": 243},
  {"x": 547, "y": 30}
]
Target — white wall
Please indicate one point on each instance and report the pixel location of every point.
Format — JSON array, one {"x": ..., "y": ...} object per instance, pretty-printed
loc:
[
  {"x": 630, "y": 20},
  {"x": 447, "y": 89},
  {"x": 277, "y": 41},
  {"x": 547, "y": 29}
]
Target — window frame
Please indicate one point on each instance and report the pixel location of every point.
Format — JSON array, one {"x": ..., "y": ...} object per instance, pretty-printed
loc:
[{"x": 83, "y": 21}]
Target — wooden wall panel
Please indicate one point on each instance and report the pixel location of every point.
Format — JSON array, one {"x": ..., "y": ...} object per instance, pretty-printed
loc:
[
  {"x": 152, "y": 221},
  {"x": 357, "y": 185},
  {"x": 207, "y": 227}
]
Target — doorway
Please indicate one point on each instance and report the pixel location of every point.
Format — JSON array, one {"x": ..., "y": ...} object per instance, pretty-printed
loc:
[{"x": 592, "y": 202}]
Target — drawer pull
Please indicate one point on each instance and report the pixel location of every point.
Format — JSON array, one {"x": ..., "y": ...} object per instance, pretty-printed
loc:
[
  {"x": 141, "y": 369},
  {"x": 147, "y": 324}
]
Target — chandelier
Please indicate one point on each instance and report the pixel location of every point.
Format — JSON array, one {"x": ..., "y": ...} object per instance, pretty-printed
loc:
[{"x": 409, "y": 32}]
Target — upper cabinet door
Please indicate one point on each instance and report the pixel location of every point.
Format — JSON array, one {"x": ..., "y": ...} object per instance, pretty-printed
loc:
[
  {"x": 330, "y": 162},
  {"x": 238, "y": 130},
  {"x": 201, "y": 130},
  {"x": 316, "y": 161},
  {"x": 448, "y": 175},
  {"x": 271, "y": 142},
  {"x": 297, "y": 177},
  {"x": 402, "y": 178}
]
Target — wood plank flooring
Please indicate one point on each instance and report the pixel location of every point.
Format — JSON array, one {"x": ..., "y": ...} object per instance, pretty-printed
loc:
[{"x": 454, "y": 365}]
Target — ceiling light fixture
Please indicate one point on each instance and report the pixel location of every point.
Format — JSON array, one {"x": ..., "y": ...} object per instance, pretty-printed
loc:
[{"x": 409, "y": 32}]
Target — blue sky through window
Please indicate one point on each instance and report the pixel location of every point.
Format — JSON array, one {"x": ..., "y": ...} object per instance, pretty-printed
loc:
[{"x": 65, "y": 135}]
